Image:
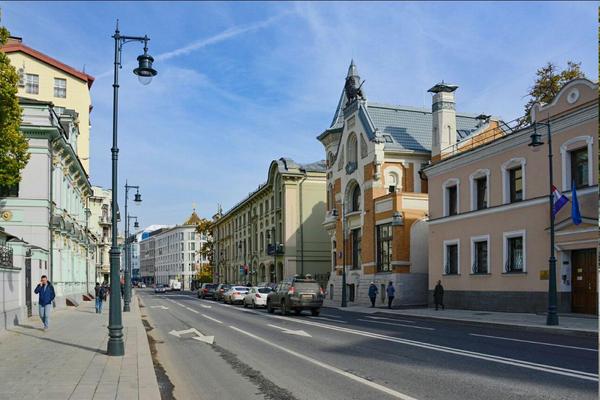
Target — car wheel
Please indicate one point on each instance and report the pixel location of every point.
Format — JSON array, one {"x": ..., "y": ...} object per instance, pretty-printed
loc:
[
  {"x": 284, "y": 310},
  {"x": 315, "y": 312},
  {"x": 270, "y": 308},
  {"x": 254, "y": 304},
  {"x": 298, "y": 311},
  {"x": 245, "y": 305}
]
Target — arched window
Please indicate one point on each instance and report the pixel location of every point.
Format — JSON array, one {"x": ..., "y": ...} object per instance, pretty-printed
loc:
[
  {"x": 355, "y": 204},
  {"x": 352, "y": 148},
  {"x": 262, "y": 242}
]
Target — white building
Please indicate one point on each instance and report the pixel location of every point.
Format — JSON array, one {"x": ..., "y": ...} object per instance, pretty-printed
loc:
[{"x": 176, "y": 253}]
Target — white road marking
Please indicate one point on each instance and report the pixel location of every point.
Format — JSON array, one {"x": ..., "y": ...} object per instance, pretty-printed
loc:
[
  {"x": 393, "y": 324},
  {"x": 205, "y": 306},
  {"x": 211, "y": 318},
  {"x": 327, "y": 319},
  {"x": 331, "y": 368},
  {"x": 429, "y": 346},
  {"x": 192, "y": 310},
  {"x": 531, "y": 341},
  {"x": 199, "y": 336},
  {"x": 161, "y": 307},
  {"x": 205, "y": 339},
  {"x": 393, "y": 319},
  {"x": 291, "y": 331}
]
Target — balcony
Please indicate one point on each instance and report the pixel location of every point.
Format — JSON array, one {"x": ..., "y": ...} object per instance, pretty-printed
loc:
[{"x": 104, "y": 220}]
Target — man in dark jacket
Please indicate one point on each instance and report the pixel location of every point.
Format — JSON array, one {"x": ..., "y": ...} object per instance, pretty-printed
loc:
[
  {"x": 438, "y": 295},
  {"x": 391, "y": 293},
  {"x": 45, "y": 290},
  {"x": 373, "y": 293},
  {"x": 100, "y": 297}
]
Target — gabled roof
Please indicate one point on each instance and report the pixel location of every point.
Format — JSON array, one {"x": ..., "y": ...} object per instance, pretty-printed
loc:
[{"x": 17, "y": 46}]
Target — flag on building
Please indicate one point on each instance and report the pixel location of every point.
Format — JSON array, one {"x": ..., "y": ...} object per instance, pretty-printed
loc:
[
  {"x": 575, "y": 214},
  {"x": 559, "y": 200}
]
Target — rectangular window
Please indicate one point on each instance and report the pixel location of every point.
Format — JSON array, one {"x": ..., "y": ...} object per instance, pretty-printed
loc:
[
  {"x": 356, "y": 243},
  {"x": 384, "y": 248},
  {"x": 32, "y": 84},
  {"x": 481, "y": 193},
  {"x": 451, "y": 267},
  {"x": 515, "y": 177},
  {"x": 452, "y": 200},
  {"x": 514, "y": 262},
  {"x": 60, "y": 87},
  {"x": 480, "y": 257},
  {"x": 579, "y": 167}
]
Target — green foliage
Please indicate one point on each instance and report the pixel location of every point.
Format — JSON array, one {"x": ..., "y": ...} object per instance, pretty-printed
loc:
[
  {"x": 548, "y": 83},
  {"x": 13, "y": 145},
  {"x": 204, "y": 228}
]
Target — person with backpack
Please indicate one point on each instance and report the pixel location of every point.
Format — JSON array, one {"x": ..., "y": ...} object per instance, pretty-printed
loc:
[
  {"x": 46, "y": 294},
  {"x": 391, "y": 292},
  {"x": 100, "y": 297}
]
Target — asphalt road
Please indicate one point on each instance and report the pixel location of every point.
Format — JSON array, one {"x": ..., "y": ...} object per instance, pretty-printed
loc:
[{"x": 345, "y": 355}]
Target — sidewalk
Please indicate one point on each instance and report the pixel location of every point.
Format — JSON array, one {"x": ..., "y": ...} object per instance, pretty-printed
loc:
[
  {"x": 569, "y": 323},
  {"x": 69, "y": 360}
]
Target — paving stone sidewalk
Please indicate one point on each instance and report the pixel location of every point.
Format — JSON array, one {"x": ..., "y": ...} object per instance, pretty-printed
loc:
[
  {"x": 569, "y": 323},
  {"x": 69, "y": 361}
]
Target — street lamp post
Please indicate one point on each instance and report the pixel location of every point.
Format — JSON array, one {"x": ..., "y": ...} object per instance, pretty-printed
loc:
[
  {"x": 535, "y": 144},
  {"x": 127, "y": 270},
  {"x": 344, "y": 292},
  {"x": 88, "y": 213},
  {"x": 145, "y": 72}
]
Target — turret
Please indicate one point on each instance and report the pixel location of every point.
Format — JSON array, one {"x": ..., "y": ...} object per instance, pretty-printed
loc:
[{"x": 443, "y": 112}]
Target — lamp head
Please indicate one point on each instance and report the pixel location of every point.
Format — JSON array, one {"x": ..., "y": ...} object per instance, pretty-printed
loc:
[
  {"x": 536, "y": 139},
  {"x": 136, "y": 225},
  {"x": 137, "y": 198},
  {"x": 144, "y": 71}
]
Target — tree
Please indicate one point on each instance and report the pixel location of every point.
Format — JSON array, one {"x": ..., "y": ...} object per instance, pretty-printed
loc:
[
  {"x": 203, "y": 228},
  {"x": 13, "y": 144},
  {"x": 547, "y": 84}
]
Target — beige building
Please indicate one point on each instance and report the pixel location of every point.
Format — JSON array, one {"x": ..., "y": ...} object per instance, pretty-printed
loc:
[
  {"x": 276, "y": 231},
  {"x": 100, "y": 224},
  {"x": 47, "y": 79},
  {"x": 374, "y": 154},
  {"x": 489, "y": 215}
]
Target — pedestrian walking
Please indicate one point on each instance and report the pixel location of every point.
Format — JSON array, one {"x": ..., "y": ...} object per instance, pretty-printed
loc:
[
  {"x": 45, "y": 290},
  {"x": 391, "y": 291},
  {"x": 438, "y": 295},
  {"x": 100, "y": 297},
  {"x": 373, "y": 293}
]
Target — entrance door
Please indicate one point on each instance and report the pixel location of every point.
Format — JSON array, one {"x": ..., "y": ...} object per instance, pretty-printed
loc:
[
  {"x": 584, "y": 295},
  {"x": 28, "y": 285}
]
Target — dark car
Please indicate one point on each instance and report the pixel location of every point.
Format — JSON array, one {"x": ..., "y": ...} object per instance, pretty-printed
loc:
[
  {"x": 207, "y": 291},
  {"x": 220, "y": 291},
  {"x": 296, "y": 294}
]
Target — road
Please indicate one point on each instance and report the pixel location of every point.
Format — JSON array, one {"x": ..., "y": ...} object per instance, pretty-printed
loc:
[{"x": 345, "y": 355}]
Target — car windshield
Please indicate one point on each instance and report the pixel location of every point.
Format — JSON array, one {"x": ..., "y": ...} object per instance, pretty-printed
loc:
[
  {"x": 312, "y": 286},
  {"x": 225, "y": 287},
  {"x": 240, "y": 288},
  {"x": 210, "y": 286},
  {"x": 264, "y": 290}
]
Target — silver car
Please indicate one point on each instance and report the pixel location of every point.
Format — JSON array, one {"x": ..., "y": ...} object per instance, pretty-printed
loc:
[{"x": 235, "y": 295}]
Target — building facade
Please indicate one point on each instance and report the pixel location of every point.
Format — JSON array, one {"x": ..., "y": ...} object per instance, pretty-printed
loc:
[
  {"x": 100, "y": 224},
  {"x": 176, "y": 253},
  {"x": 276, "y": 231},
  {"x": 377, "y": 200},
  {"x": 47, "y": 79},
  {"x": 48, "y": 207},
  {"x": 489, "y": 234}
]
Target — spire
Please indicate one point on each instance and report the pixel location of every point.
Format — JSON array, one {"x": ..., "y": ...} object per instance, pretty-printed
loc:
[
  {"x": 352, "y": 70},
  {"x": 352, "y": 84}
]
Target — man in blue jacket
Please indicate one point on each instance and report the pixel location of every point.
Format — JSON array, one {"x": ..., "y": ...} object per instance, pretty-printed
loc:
[{"x": 45, "y": 290}]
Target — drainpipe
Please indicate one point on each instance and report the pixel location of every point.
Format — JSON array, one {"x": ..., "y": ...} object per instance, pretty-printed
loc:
[{"x": 301, "y": 228}]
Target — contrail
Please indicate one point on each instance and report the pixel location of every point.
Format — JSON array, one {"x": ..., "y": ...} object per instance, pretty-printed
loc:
[{"x": 219, "y": 37}]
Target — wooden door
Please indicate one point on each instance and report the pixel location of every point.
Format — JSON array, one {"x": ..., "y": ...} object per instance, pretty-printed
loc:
[{"x": 584, "y": 294}]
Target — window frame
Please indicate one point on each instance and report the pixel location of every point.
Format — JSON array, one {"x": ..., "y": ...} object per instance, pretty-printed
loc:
[
  {"x": 29, "y": 84},
  {"x": 505, "y": 238},
  {"x": 63, "y": 88},
  {"x": 474, "y": 241},
  {"x": 445, "y": 186},
  {"x": 512, "y": 184},
  {"x": 506, "y": 167},
  {"x": 473, "y": 178},
  {"x": 575, "y": 144},
  {"x": 446, "y": 244},
  {"x": 356, "y": 241},
  {"x": 381, "y": 242},
  {"x": 572, "y": 168}
]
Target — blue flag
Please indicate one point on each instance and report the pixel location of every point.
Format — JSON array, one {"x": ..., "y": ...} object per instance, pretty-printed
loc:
[{"x": 575, "y": 214}]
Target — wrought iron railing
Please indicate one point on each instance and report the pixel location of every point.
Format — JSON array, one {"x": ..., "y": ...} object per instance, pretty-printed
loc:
[{"x": 6, "y": 257}]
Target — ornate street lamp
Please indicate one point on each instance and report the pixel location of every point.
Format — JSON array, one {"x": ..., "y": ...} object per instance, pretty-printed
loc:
[
  {"x": 116, "y": 345},
  {"x": 535, "y": 144},
  {"x": 127, "y": 270}
]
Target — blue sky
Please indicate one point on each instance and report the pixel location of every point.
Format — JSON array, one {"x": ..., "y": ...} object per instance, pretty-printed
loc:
[{"x": 241, "y": 84}]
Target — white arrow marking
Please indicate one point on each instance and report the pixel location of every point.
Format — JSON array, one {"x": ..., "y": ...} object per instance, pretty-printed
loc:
[
  {"x": 205, "y": 339},
  {"x": 291, "y": 332},
  {"x": 162, "y": 307}
]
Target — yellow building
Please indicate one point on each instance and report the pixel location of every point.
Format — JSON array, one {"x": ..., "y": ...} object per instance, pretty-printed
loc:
[{"x": 46, "y": 79}]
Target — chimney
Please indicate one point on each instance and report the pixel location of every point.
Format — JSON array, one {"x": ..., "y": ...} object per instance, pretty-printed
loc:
[
  {"x": 14, "y": 40},
  {"x": 443, "y": 113}
]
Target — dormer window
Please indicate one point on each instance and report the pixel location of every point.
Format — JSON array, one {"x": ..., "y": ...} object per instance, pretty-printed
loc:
[{"x": 388, "y": 139}]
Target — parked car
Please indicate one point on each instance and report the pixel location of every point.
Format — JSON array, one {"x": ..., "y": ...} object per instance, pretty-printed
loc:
[
  {"x": 207, "y": 291},
  {"x": 235, "y": 294},
  {"x": 296, "y": 294},
  {"x": 220, "y": 291},
  {"x": 257, "y": 297},
  {"x": 160, "y": 289},
  {"x": 141, "y": 285}
]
